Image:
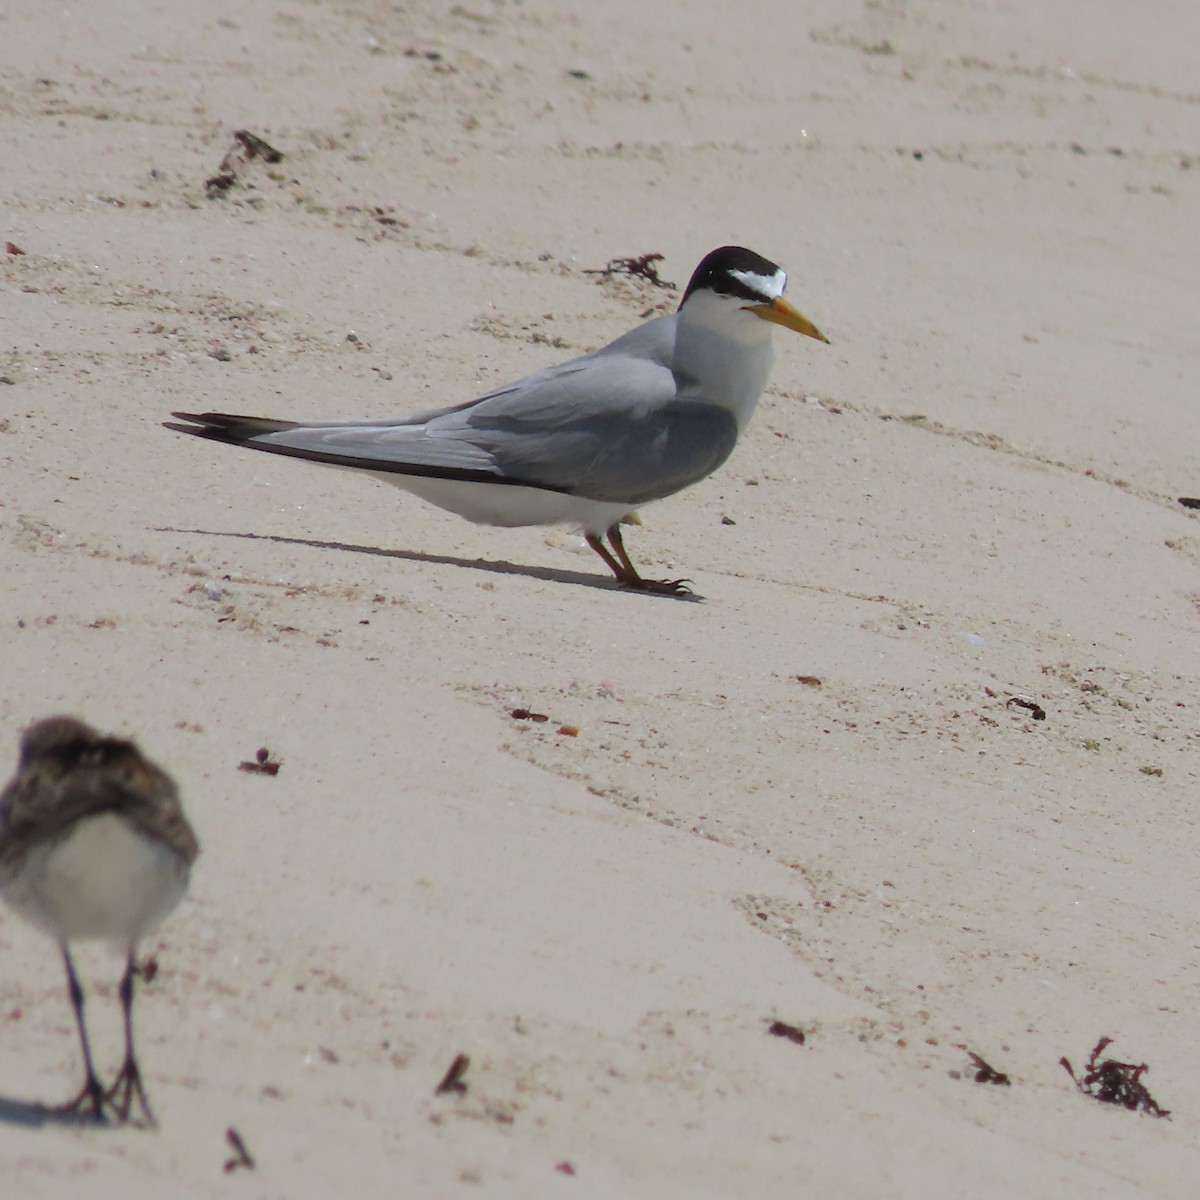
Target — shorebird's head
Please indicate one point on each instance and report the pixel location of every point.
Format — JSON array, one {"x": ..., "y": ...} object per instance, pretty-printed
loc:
[{"x": 56, "y": 737}]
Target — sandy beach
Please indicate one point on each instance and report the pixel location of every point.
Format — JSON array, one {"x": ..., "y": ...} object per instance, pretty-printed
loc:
[{"x": 915, "y": 774}]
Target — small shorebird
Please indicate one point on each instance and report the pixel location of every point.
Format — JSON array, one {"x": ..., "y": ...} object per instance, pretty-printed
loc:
[
  {"x": 583, "y": 443},
  {"x": 94, "y": 844}
]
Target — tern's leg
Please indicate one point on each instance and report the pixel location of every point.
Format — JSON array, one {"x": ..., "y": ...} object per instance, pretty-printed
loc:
[
  {"x": 128, "y": 1082},
  {"x": 631, "y": 579},
  {"x": 622, "y": 574},
  {"x": 618, "y": 545},
  {"x": 92, "y": 1093}
]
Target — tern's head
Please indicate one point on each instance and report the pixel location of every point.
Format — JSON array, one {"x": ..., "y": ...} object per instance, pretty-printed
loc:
[{"x": 734, "y": 280}]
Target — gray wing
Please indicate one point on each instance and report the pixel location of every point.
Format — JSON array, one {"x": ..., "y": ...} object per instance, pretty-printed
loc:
[{"x": 609, "y": 426}]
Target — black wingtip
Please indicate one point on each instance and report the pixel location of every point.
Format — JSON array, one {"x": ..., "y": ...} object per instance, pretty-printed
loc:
[{"x": 226, "y": 427}]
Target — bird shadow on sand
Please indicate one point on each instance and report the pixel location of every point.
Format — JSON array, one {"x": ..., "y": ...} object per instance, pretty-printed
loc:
[
  {"x": 494, "y": 566},
  {"x": 34, "y": 1116}
]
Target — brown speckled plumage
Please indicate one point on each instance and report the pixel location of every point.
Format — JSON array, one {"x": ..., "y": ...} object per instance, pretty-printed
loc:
[{"x": 67, "y": 771}]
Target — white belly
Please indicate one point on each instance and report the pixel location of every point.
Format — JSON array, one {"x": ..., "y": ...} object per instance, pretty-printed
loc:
[
  {"x": 103, "y": 880},
  {"x": 504, "y": 504}
]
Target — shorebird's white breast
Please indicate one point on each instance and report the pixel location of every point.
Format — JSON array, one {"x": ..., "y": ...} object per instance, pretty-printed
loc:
[{"x": 105, "y": 880}]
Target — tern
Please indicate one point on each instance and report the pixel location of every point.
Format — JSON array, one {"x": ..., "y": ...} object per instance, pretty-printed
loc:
[{"x": 584, "y": 443}]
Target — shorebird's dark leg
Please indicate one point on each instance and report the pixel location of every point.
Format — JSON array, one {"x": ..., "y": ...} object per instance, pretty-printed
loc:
[
  {"x": 629, "y": 577},
  {"x": 92, "y": 1093},
  {"x": 128, "y": 1082}
]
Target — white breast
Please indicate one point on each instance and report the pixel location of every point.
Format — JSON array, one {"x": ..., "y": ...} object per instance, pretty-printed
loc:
[{"x": 103, "y": 880}]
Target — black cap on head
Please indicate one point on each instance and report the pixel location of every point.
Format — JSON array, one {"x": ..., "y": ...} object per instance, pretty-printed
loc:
[{"x": 715, "y": 272}]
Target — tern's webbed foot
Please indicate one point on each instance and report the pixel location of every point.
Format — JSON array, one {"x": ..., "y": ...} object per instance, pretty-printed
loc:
[
  {"x": 657, "y": 587},
  {"x": 621, "y": 566}
]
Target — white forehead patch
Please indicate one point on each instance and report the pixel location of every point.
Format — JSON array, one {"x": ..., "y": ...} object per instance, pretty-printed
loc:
[{"x": 768, "y": 286}]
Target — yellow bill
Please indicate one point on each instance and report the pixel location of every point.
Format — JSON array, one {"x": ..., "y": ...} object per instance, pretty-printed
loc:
[{"x": 782, "y": 313}]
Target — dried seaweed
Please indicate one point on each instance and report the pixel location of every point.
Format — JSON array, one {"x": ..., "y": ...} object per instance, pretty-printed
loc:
[
  {"x": 986, "y": 1073},
  {"x": 640, "y": 266},
  {"x": 247, "y": 146},
  {"x": 1113, "y": 1082},
  {"x": 452, "y": 1081}
]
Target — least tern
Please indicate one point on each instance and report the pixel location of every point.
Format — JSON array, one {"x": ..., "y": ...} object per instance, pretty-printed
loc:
[
  {"x": 583, "y": 443},
  {"x": 93, "y": 845}
]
